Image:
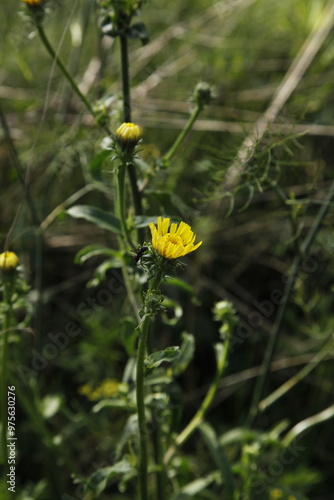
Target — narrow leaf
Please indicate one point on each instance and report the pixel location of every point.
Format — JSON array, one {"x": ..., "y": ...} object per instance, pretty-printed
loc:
[
  {"x": 97, "y": 216},
  {"x": 210, "y": 437}
]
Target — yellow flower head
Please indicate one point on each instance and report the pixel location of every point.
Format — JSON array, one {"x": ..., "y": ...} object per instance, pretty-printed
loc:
[
  {"x": 128, "y": 135},
  {"x": 173, "y": 240},
  {"x": 276, "y": 493},
  {"x": 8, "y": 261}
]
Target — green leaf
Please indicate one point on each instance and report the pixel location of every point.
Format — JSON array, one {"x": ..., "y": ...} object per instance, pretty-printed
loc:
[
  {"x": 101, "y": 271},
  {"x": 239, "y": 435},
  {"x": 195, "y": 487},
  {"x": 181, "y": 284},
  {"x": 211, "y": 439},
  {"x": 113, "y": 403},
  {"x": 176, "y": 310},
  {"x": 98, "y": 481},
  {"x": 93, "y": 250},
  {"x": 97, "y": 163},
  {"x": 167, "y": 355},
  {"x": 187, "y": 350},
  {"x": 130, "y": 430},
  {"x": 97, "y": 216},
  {"x": 139, "y": 30},
  {"x": 144, "y": 220}
]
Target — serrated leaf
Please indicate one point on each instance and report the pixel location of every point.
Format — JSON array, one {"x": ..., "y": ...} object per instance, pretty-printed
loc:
[{"x": 97, "y": 216}]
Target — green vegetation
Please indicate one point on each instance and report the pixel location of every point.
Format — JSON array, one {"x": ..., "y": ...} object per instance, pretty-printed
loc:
[{"x": 132, "y": 374}]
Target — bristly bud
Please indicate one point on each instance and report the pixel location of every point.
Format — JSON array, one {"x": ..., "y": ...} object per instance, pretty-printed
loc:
[
  {"x": 8, "y": 262},
  {"x": 224, "y": 311},
  {"x": 203, "y": 94},
  {"x": 127, "y": 136},
  {"x": 36, "y": 8}
]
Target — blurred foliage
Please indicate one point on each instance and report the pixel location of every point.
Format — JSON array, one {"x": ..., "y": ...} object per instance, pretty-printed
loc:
[{"x": 75, "y": 378}]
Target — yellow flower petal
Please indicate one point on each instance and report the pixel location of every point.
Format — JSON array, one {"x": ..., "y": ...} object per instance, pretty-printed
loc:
[
  {"x": 9, "y": 261},
  {"x": 172, "y": 240}
]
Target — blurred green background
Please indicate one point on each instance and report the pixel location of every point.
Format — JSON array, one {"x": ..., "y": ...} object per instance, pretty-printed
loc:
[{"x": 245, "y": 49}]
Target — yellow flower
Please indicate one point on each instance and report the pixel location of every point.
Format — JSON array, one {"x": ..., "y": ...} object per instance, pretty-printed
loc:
[
  {"x": 276, "y": 493},
  {"x": 128, "y": 135},
  {"x": 173, "y": 241},
  {"x": 8, "y": 261},
  {"x": 107, "y": 389}
]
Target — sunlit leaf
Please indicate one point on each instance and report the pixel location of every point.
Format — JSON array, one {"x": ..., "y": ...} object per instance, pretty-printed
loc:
[{"x": 97, "y": 216}]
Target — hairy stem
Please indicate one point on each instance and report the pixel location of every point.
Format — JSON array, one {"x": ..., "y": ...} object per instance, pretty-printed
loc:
[
  {"x": 140, "y": 394},
  {"x": 127, "y": 118}
]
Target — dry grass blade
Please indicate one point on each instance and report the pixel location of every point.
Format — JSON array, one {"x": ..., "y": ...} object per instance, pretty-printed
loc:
[{"x": 295, "y": 73}]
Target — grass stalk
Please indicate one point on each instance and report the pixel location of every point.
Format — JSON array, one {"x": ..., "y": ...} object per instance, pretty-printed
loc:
[
  {"x": 183, "y": 134},
  {"x": 259, "y": 387}
]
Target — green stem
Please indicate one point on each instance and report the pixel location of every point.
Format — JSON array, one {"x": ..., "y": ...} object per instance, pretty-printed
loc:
[
  {"x": 127, "y": 118},
  {"x": 120, "y": 203},
  {"x": 259, "y": 387},
  {"x": 61, "y": 66},
  {"x": 125, "y": 79},
  {"x": 8, "y": 301},
  {"x": 140, "y": 395},
  {"x": 201, "y": 412},
  {"x": 183, "y": 134}
]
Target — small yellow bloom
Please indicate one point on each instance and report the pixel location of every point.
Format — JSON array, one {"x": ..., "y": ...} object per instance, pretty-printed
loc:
[
  {"x": 107, "y": 389},
  {"x": 173, "y": 240},
  {"x": 128, "y": 135},
  {"x": 276, "y": 493},
  {"x": 8, "y": 261}
]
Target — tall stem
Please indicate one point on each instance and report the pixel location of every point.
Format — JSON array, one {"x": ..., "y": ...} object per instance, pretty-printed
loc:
[
  {"x": 120, "y": 206},
  {"x": 4, "y": 374},
  {"x": 183, "y": 134},
  {"x": 140, "y": 394},
  {"x": 127, "y": 118}
]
